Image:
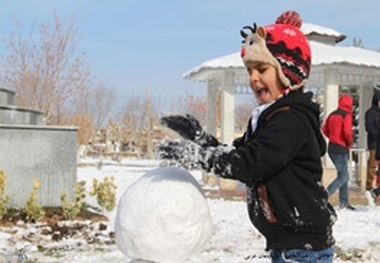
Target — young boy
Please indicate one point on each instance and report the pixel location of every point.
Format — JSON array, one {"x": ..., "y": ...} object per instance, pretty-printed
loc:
[{"x": 279, "y": 156}]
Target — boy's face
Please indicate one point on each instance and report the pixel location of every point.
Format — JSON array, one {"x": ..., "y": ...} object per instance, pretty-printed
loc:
[{"x": 264, "y": 82}]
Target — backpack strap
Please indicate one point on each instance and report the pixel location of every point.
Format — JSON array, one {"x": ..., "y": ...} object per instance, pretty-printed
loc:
[{"x": 284, "y": 108}]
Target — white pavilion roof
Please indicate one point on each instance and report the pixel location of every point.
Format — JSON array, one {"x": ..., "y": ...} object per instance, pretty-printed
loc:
[
  {"x": 312, "y": 29},
  {"x": 321, "y": 54}
]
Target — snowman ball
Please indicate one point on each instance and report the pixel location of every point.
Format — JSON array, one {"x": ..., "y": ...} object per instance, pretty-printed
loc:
[{"x": 163, "y": 216}]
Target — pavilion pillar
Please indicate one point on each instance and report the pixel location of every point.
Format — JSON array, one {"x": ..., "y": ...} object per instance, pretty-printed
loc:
[
  {"x": 330, "y": 102},
  {"x": 228, "y": 108},
  {"x": 212, "y": 107},
  {"x": 331, "y": 91},
  {"x": 228, "y": 120},
  {"x": 365, "y": 101},
  {"x": 211, "y": 115}
]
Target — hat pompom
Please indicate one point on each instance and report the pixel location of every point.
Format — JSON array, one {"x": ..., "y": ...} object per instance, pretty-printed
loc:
[{"x": 290, "y": 18}]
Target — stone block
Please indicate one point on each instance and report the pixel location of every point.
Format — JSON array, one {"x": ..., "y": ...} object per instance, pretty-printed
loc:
[{"x": 46, "y": 153}]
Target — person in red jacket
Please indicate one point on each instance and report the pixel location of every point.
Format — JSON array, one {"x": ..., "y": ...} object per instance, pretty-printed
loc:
[{"x": 338, "y": 129}]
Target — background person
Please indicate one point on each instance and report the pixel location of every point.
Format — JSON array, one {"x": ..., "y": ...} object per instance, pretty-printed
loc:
[
  {"x": 372, "y": 122},
  {"x": 372, "y": 194},
  {"x": 338, "y": 129}
]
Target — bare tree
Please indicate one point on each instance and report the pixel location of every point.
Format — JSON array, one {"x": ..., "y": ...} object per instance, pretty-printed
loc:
[
  {"x": 46, "y": 73},
  {"x": 134, "y": 113},
  {"x": 197, "y": 107},
  {"x": 86, "y": 131},
  {"x": 96, "y": 101},
  {"x": 190, "y": 104},
  {"x": 243, "y": 112},
  {"x": 135, "y": 121},
  {"x": 91, "y": 111},
  {"x": 358, "y": 42},
  {"x": 102, "y": 104}
]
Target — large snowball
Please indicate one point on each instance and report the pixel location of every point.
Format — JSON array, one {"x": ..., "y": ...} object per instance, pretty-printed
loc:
[{"x": 163, "y": 217}]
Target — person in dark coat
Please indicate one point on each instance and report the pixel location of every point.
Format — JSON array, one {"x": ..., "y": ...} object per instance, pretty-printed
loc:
[
  {"x": 372, "y": 122},
  {"x": 338, "y": 129},
  {"x": 279, "y": 156},
  {"x": 372, "y": 194}
]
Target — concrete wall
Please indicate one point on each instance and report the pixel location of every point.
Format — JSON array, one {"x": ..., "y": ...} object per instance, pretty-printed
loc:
[
  {"x": 7, "y": 97},
  {"x": 47, "y": 153},
  {"x": 18, "y": 116}
]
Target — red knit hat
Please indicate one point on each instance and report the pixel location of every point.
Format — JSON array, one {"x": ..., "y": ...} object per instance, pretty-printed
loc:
[{"x": 282, "y": 45}]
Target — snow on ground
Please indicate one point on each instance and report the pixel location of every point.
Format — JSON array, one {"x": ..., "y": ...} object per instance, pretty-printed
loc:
[{"x": 235, "y": 240}]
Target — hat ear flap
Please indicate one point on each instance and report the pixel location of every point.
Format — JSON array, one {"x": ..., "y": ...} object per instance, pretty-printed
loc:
[{"x": 261, "y": 32}]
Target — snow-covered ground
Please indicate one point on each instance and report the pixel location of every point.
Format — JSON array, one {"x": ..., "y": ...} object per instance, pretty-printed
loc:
[{"x": 235, "y": 240}]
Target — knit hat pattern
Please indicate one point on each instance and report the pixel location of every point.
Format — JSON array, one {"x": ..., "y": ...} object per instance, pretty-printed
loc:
[{"x": 281, "y": 45}]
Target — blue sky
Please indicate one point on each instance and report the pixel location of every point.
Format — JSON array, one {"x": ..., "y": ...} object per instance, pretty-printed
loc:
[{"x": 136, "y": 45}]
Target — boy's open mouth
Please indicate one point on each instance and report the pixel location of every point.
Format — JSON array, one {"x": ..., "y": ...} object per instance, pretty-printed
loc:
[{"x": 261, "y": 92}]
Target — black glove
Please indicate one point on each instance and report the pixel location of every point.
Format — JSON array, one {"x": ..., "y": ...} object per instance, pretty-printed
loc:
[
  {"x": 192, "y": 156},
  {"x": 184, "y": 152},
  {"x": 189, "y": 128}
]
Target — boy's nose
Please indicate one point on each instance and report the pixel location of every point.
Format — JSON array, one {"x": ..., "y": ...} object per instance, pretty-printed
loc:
[{"x": 255, "y": 76}]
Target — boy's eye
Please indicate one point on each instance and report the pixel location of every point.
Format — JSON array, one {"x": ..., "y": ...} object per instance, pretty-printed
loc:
[{"x": 262, "y": 68}]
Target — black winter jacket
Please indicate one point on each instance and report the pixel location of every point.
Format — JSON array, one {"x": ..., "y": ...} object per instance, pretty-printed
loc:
[
  {"x": 280, "y": 163},
  {"x": 372, "y": 121},
  {"x": 377, "y": 148}
]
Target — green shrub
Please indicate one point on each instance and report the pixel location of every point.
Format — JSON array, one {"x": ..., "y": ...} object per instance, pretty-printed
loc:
[
  {"x": 3, "y": 197},
  {"x": 105, "y": 192},
  {"x": 32, "y": 209},
  {"x": 72, "y": 209}
]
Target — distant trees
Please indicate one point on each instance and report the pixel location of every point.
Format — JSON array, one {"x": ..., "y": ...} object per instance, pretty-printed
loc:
[
  {"x": 358, "y": 42},
  {"x": 197, "y": 107},
  {"x": 49, "y": 74},
  {"x": 91, "y": 111},
  {"x": 190, "y": 104},
  {"x": 243, "y": 111},
  {"x": 135, "y": 122},
  {"x": 46, "y": 72}
]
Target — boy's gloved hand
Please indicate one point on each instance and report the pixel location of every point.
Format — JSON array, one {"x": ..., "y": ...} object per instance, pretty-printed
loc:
[
  {"x": 184, "y": 152},
  {"x": 189, "y": 128},
  {"x": 190, "y": 155}
]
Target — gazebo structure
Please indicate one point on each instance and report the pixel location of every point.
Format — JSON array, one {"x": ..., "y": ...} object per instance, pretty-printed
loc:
[{"x": 335, "y": 69}]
